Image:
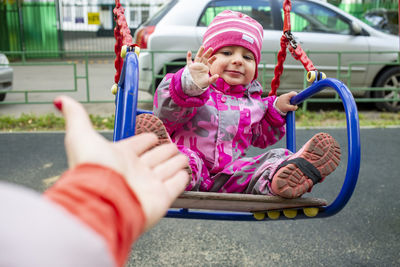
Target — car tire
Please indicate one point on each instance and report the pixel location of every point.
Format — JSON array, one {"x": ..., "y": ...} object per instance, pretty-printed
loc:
[
  {"x": 390, "y": 78},
  {"x": 2, "y": 97}
]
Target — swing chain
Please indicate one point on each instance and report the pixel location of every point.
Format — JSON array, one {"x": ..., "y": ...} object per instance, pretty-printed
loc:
[
  {"x": 298, "y": 53},
  {"x": 288, "y": 41},
  {"x": 291, "y": 39},
  {"x": 122, "y": 36}
]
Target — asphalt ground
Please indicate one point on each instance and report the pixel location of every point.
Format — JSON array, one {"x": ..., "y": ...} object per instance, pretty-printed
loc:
[{"x": 364, "y": 233}]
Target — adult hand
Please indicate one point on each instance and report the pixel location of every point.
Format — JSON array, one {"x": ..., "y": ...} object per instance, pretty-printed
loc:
[
  {"x": 200, "y": 67},
  {"x": 155, "y": 174}
]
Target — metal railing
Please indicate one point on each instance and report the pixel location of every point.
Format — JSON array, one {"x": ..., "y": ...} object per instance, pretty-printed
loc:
[
  {"x": 73, "y": 69},
  {"x": 85, "y": 79},
  {"x": 343, "y": 73}
]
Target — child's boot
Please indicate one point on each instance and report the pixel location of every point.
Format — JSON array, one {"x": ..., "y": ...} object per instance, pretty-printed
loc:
[
  {"x": 310, "y": 165},
  {"x": 148, "y": 123}
]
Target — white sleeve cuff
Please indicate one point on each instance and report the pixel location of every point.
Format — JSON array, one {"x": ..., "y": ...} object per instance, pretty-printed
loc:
[
  {"x": 189, "y": 87},
  {"x": 277, "y": 109}
]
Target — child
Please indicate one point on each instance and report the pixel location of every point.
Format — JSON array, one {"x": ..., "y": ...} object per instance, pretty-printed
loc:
[{"x": 213, "y": 110}]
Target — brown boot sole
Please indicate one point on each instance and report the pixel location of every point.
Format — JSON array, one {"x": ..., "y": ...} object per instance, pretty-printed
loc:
[
  {"x": 148, "y": 123},
  {"x": 322, "y": 151}
]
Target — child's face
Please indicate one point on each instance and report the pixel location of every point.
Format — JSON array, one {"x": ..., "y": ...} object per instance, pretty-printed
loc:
[{"x": 235, "y": 64}]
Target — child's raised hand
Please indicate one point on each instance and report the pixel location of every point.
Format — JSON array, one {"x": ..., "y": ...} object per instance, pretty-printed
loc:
[
  {"x": 283, "y": 102},
  {"x": 200, "y": 67}
]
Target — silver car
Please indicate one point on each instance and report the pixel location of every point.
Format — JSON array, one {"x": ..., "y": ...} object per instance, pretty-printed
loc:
[
  {"x": 6, "y": 76},
  {"x": 330, "y": 36}
]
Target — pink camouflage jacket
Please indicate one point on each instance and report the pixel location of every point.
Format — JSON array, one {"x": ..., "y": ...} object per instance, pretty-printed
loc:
[{"x": 221, "y": 123}]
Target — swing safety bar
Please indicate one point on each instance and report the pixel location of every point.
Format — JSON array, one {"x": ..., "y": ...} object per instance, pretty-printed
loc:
[
  {"x": 353, "y": 138},
  {"x": 126, "y": 111}
]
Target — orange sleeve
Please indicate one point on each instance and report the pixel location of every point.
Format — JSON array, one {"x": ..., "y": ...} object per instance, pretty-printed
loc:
[{"x": 101, "y": 198}]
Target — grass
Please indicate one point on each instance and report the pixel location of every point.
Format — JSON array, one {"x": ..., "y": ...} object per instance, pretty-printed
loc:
[
  {"x": 338, "y": 119},
  {"x": 48, "y": 122},
  {"x": 307, "y": 119}
]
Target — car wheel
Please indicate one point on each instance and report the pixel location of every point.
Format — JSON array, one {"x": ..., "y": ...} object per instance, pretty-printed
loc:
[
  {"x": 389, "y": 79},
  {"x": 2, "y": 96}
]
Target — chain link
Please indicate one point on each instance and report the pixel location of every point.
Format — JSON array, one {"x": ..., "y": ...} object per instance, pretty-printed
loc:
[
  {"x": 122, "y": 35},
  {"x": 288, "y": 40}
]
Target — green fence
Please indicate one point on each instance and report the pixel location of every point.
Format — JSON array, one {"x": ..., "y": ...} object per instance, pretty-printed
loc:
[
  {"x": 29, "y": 26},
  {"x": 39, "y": 81},
  {"x": 55, "y": 25},
  {"x": 90, "y": 76},
  {"x": 342, "y": 73}
]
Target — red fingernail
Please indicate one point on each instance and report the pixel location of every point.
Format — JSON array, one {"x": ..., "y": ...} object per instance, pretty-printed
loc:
[{"x": 58, "y": 104}]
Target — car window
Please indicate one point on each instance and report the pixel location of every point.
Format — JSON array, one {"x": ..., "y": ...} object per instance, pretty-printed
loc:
[
  {"x": 311, "y": 17},
  {"x": 383, "y": 20},
  {"x": 259, "y": 10},
  {"x": 373, "y": 19},
  {"x": 393, "y": 17},
  {"x": 164, "y": 9}
]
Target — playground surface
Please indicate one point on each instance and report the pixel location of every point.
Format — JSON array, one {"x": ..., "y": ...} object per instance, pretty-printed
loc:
[{"x": 364, "y": 233}]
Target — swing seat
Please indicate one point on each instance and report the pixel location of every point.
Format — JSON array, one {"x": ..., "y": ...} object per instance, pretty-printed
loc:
[
  {"x": 242, "y": 202},
  {"x": 245, "y": 206},
  {"x": 258, "y": 205}
]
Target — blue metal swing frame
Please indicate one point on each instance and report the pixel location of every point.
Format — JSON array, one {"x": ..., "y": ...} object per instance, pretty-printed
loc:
[{"x": 126, "y": 111}]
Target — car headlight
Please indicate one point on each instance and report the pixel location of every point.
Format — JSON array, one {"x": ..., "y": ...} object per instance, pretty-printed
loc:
[{"x": 3, "y": 60}]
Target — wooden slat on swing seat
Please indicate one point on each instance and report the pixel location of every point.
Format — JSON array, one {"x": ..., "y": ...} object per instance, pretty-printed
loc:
[{"x": 242, "y": 202}]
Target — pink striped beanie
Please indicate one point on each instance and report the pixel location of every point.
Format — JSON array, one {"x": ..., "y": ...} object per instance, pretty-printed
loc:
[{"x": 231, "y": 28}]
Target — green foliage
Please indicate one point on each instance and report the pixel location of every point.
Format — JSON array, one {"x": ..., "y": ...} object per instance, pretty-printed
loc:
[
  {"x": 320, "y": 119},
  {"x": 48, "y": 122},
  {"x": 28, "y": 122},
  {"x": 102, "y": 123}
]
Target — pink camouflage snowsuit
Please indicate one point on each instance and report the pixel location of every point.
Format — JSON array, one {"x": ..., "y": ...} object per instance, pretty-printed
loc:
[{"x": 216, "y": 128}]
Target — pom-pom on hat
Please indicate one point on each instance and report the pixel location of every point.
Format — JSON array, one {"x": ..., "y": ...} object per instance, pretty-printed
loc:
[{"x": 230, "y": 28}]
